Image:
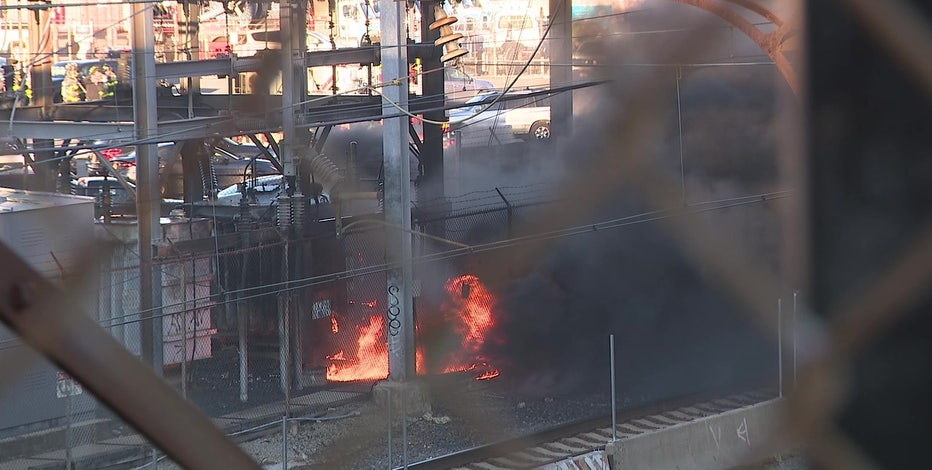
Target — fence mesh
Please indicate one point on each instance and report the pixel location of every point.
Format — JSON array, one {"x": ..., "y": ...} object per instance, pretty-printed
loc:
[{"x": 671, "y": 230}]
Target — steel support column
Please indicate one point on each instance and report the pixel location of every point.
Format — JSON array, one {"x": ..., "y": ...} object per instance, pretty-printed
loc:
[
  {"x": 40, "y": 44},
  {"x": 400, "y": 317},
  {"x": 561, "y": 59},
  {"x": 432, "y": 188},
  {"x": 189, "y": 29},
  {"x": 148, "y": 197}
]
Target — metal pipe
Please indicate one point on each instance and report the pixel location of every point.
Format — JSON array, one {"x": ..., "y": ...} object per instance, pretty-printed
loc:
[
  {"x": 679, "y": 124},
  {"x": 389, "y": 407},
  {"x": 70, "y": 411},
  {"x": 297, "y": 345},
  {"x": 404, "y": 427},
  {"x": 184, "y": 332},
  {"x": 780, "y": 346},
  {"x": 328, "y": 418},
  {"x": 353, "y": 161},
  {"x": 795, "y": 338},
  {"x": 147, "y": 173},
  {"x": 611, "y": 360},
  {"x": 284, "y": 321},
  {"x": 509, "y": 212},
  {"x": 243, "y": 323},
  {"x": 284, "y": 441}
]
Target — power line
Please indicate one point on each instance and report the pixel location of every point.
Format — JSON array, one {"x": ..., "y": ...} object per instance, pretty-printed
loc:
[{"x": 583, "y": 229}]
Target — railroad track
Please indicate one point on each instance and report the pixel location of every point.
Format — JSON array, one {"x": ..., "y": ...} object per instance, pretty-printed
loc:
[{"x": 581, "y": 437}]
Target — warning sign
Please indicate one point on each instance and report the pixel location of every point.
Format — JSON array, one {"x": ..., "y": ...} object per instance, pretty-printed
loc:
[
  {"x": 320, "y": 309},
  {"x": 67, "y": 387}
]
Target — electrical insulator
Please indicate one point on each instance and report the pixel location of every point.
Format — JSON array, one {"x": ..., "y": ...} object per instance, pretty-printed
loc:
[{"x": 447, "y": 37}]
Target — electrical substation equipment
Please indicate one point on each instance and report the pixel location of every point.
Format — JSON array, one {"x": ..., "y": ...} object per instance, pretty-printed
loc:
[{"x": 447, "y": 38}]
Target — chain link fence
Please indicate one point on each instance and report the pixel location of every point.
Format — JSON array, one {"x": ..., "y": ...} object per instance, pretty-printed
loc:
[{"x": 268, "y": 326}]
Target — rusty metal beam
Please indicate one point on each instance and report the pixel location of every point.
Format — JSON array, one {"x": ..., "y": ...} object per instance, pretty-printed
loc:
[
  {"x": 760, "y": 10},
  {"x": 768, "y": 42}
]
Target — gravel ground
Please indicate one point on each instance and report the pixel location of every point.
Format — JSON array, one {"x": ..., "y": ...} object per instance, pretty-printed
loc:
[
  {"x": 464, "y": 413},
  {"x": 783, "y": 462},
  {"x": 462, "y": 416}
]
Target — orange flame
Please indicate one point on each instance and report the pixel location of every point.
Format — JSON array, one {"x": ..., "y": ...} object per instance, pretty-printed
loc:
[
  {"x": 471, "y": 306},
  {"x": 491, "y": 374},
  {"x": 468, "y": 311},
  {"x": 334, "y": 326},
  {"x": 419, "y": 366},
  {"x": 371, "y": 356}
]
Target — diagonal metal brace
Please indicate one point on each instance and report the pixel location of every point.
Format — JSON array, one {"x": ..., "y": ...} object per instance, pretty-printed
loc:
[{"x": 42, "y": 315}]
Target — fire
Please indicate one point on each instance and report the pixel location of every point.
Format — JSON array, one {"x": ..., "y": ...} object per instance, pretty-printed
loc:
[
  {"x": 371, "y": 361},
  {"x": 470, "y": 307},
  {"x": 467, "y": 314},
  {"x": 491, "y": 374},
  {"x": 334, "y": 326}
]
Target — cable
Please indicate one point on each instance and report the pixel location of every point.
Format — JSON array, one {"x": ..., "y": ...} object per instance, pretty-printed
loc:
[
  {"x": 650, "y": 216},
  {"x": 287, "y": 286}
]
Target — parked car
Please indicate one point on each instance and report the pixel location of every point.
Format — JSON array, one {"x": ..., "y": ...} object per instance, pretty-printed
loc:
[
  {"x": 589, "y": 60},
  {"x": 228, "y": 168},
  {"x": 253, "y": 42},
  {"x": 525, "y": 114},
  {"x": 102, "y": 150},
  {"x": 263, "y": 190},
  {"x": 94, "y": 186},
  {"x": 121, "y": 201}
]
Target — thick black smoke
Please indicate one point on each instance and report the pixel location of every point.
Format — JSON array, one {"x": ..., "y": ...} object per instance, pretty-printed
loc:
[{"x": 675, "y": 331}]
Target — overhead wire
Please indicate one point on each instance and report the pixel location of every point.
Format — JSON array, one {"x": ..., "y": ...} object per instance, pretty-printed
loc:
[
  {"x": 582, "y": 229},
  {"x": 286, "y": 286}
]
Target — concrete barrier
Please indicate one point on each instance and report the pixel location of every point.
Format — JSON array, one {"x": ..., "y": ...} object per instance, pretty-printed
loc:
[{"x": 722, "y": 441}]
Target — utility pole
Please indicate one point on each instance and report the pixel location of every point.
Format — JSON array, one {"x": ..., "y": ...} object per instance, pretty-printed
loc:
[
  {"x": 432, "y": 148},
  {"x": 148, "y": 197},
  {"x": 400, "y": 311},
  {"x": 561, "y": 40},
  {"x": 40, "y": 45},
  {"x": 189, "y": 35},
  {"x": 292, "y": 15}
]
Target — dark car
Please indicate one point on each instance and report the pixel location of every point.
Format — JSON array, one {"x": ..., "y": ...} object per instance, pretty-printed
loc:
[
  {"x": 103, "y": 150},
  {"x": 589, "y": 60},
  {"x": 226, "y": 168}
]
